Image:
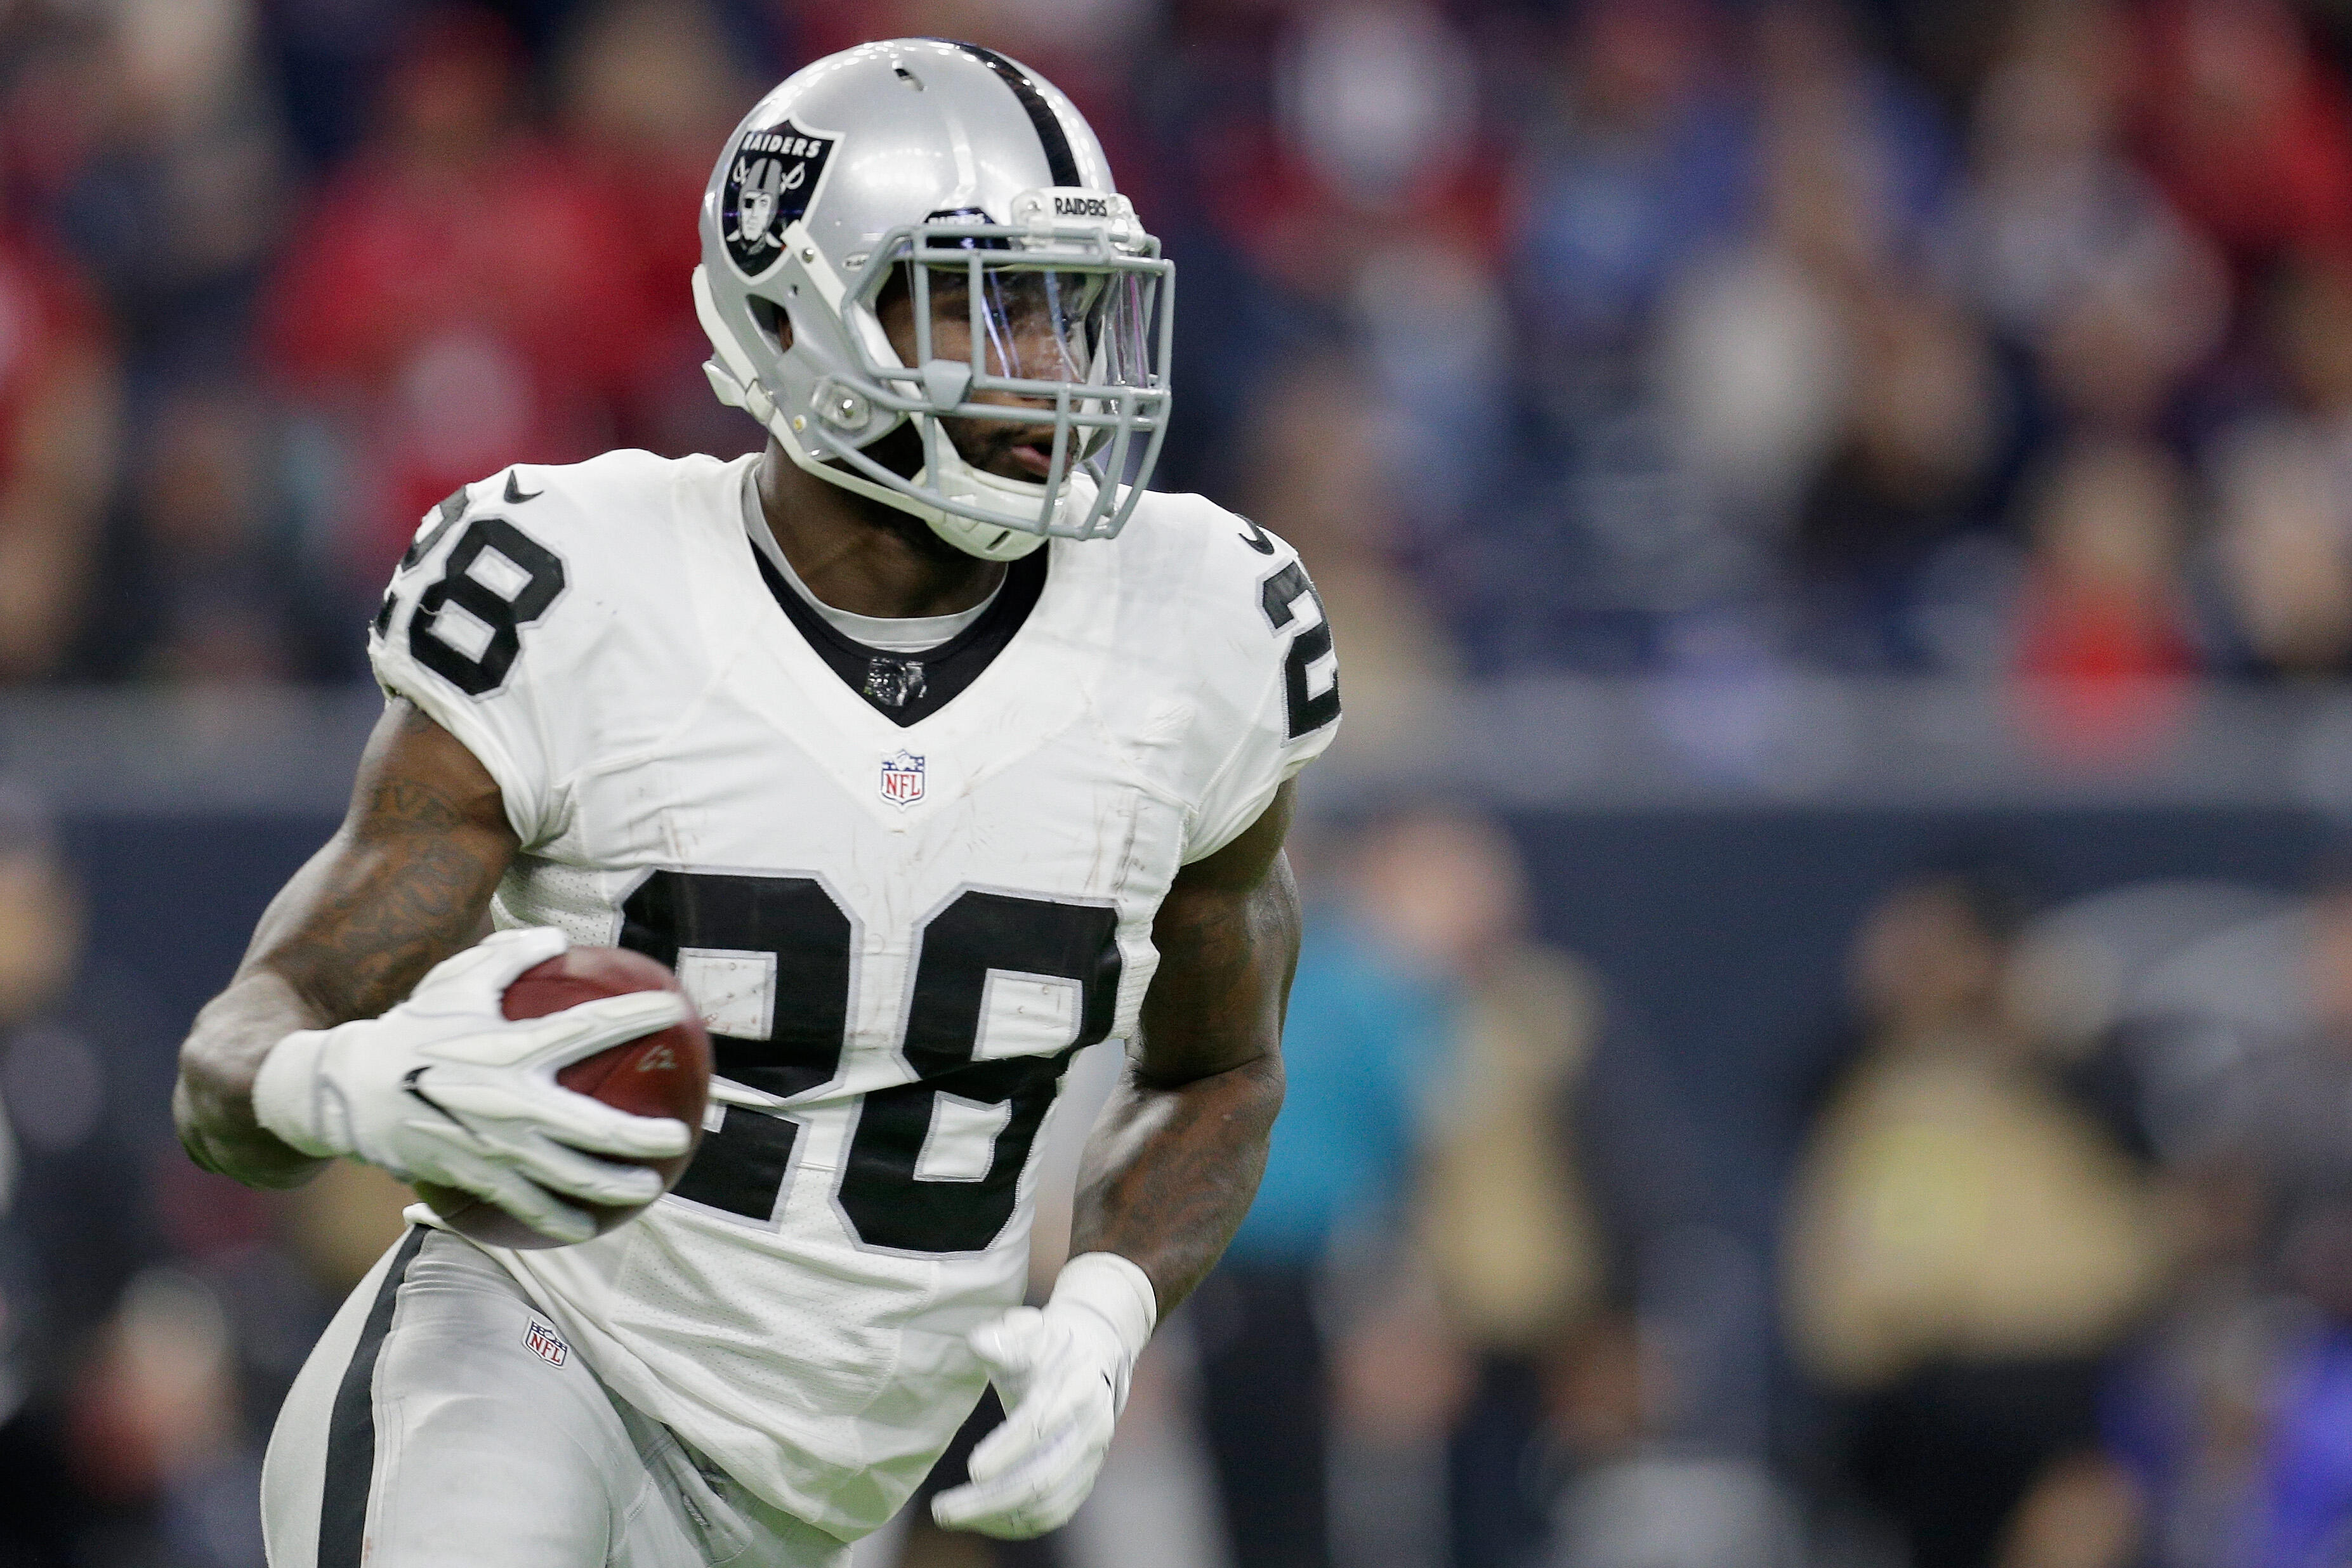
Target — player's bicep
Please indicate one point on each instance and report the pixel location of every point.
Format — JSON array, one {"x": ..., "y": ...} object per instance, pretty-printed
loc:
[
  {"x": 406, "y": 881},
  {"x": 1228, "y": 940}
]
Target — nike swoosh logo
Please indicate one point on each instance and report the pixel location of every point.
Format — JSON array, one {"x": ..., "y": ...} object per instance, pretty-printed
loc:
[
  {"x": 408, "y": 1084},
  {"x": 1255, "y": 539},
  {"x": 515, "y": 496}
]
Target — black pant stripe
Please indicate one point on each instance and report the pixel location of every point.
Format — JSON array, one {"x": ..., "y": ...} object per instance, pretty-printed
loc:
[{"x": 350, "y": 1430}]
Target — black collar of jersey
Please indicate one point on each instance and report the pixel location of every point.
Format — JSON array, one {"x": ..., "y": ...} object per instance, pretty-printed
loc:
[{"x": 906, "y": 687}]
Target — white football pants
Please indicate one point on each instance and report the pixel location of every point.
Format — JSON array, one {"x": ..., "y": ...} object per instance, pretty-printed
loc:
[{"x": 441, "y": 1421}]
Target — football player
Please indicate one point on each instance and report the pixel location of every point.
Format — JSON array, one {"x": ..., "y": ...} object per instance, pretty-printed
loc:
[{"x": 928, "y": 749}]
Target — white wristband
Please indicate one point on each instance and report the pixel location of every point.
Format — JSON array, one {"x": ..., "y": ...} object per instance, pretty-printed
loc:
[
  {"x": 1115, "y": 1290},
  {"x": 286, "y": 1094}
]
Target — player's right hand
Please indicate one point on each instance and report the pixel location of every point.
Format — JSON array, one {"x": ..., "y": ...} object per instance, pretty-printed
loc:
[{"x": 445, "y": 1088}]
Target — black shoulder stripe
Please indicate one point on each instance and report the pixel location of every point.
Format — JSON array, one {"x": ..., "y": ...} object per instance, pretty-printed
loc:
[{"x": 1059, "y": 157}]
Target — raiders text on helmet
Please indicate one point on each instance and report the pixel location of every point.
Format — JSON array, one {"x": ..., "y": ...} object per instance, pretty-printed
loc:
[{"x": 961, "y": 176}]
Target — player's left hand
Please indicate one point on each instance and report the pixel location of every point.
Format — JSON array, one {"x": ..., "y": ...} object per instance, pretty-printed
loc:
[{"x": 1063, "y": 1373}]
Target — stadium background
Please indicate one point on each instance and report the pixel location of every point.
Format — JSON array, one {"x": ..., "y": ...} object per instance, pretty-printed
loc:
[{"x": 1827, "y": 1035}]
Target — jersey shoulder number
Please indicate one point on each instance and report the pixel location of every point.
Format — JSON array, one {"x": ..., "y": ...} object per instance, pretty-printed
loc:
[
  {"x": 1310, "y": 674},
  {"x": 467, "y": 625}
]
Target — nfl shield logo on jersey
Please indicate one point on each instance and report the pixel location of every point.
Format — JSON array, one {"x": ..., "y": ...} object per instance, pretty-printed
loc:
[
  {"x": 902, "y": 778},
  {"x": 546, "y": 1343}
]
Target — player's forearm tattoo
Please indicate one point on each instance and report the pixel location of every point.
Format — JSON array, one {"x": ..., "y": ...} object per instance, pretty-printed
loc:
[
  {"x": 414, "y": 895},
  {"x": 1177, "y": 1155},
  {"x": 403, "y": 884}
]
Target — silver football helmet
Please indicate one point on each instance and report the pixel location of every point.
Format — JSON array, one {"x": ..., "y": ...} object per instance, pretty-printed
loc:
[{"x": 953, "y": 176}]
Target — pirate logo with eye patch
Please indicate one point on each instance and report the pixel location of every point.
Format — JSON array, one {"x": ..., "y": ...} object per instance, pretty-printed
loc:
[{"x": 770, "y": 181}]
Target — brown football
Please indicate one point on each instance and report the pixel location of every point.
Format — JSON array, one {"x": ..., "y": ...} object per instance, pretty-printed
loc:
[{"x": 664, "y": 1074}]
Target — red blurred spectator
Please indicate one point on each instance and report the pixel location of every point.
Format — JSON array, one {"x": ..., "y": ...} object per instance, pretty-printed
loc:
[
  {"x": 57, "y": 450},
  {"x": 2247, "y": 128},
  {"x": 458, "y": 296},
  {"x": 1375, "y": 127},
  {"x": 2100, "y": 629},
  {"x": 648, "y": 94}
]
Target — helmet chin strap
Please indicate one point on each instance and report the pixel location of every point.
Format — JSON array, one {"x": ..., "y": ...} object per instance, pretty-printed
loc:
[
  {"x": 737, "y": 385},
  {"x": 958, "y": 480}
]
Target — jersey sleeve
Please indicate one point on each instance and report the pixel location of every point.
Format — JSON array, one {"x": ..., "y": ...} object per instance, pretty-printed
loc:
[
  {"x": 1284, "y": 645},
  {"x": 463, "y": 633}
]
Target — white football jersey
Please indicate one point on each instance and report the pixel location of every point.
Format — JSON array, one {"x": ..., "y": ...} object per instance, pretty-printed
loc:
[{"x": 898, "y": 933}]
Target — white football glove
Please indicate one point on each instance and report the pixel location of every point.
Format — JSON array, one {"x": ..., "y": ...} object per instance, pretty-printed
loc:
[
  {"x": 445, "y": 1088},
  {"x": 1062, "y": 1373}
]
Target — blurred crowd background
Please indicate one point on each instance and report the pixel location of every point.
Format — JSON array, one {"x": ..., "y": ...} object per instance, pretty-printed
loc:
[
  {"x": 1860, "y": 1186},
  {"x": 1623, "y": 335}
]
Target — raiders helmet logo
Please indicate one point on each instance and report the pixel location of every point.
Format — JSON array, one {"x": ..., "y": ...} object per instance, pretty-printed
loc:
[{"x": 770, "y": 182}]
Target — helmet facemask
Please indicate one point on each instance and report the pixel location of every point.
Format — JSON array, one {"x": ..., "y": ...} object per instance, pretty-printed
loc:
[{"x": 1046, "y": 332}]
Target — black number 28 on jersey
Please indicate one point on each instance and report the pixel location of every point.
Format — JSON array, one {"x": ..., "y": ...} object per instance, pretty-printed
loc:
[
  {"x": 791, "y": 928},
  {"x": 467, "y": 624}
]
